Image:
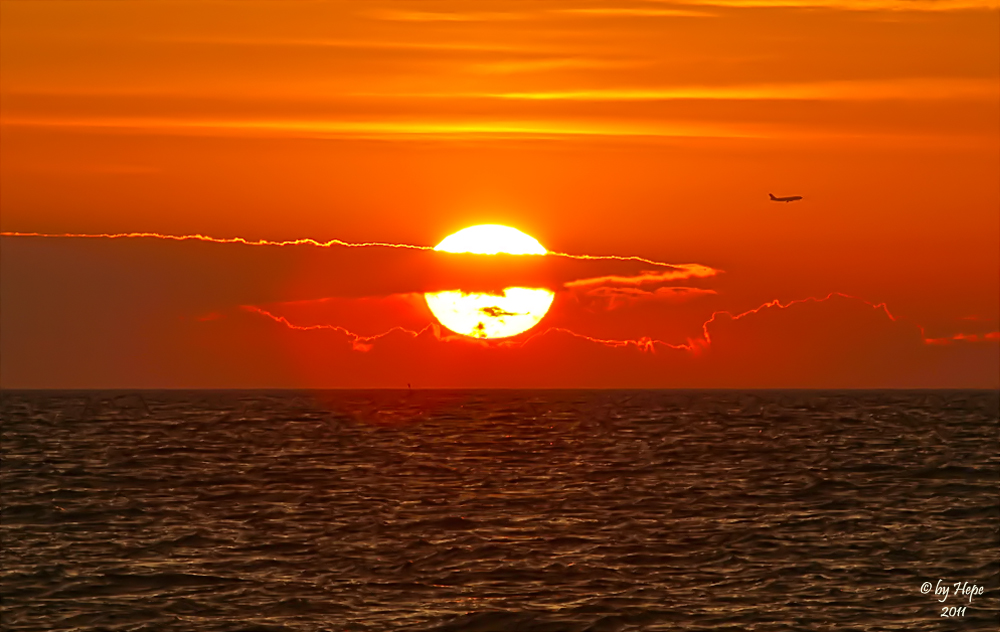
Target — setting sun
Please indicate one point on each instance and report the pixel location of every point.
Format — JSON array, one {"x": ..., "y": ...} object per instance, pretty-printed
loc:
[
  {"x": 279, "y": 342},
  {"x": 481, "y": 315},
  {"x": 491, "y": 239}
]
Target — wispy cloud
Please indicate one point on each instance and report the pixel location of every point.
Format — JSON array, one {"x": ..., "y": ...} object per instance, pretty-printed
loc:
[
  {"x": 857, "y": 5},
  {"x": 637, "y": 12},
  {"x": 388, "y": 129},
  {"x": 921, "y": 88},
  {"x": 647, "y": 277},
  {"x": 442, "y": 16},
  {"x": 616, "y": 297},
  {"x": 993, "y": 336},
  {"x": 347, "y": 43},
  {"x": 555, "y": 63},
  {"x": 613, "y": 291}
]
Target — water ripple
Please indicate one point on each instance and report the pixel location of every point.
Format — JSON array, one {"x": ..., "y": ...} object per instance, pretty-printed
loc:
[{"x": 510, "y": 510}]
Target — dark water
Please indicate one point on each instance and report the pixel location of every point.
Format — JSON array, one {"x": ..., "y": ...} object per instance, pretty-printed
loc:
[{"x": 530, "y": 510}]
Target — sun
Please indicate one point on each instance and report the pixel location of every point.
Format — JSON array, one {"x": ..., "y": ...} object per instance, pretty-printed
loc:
[
  {"x": 480, "y": 315},
  {"x": 491, "y": 239}
]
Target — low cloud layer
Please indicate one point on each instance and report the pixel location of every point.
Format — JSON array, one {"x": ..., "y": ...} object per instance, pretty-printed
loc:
[
  {"x": 149, "y": 313},
  {"x": 239, "y": 273}
]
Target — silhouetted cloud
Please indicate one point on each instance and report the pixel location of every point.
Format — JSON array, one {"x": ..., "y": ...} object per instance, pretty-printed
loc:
[
  {"x": 615, "y": 297},
  {"x": 145, "y": 313}
]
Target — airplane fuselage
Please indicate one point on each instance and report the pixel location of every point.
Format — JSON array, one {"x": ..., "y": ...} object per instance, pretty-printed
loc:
[{"x": 790, "y": 198}]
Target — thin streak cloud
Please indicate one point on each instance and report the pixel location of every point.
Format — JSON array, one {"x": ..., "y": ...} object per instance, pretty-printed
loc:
[
  {"x": 357, "y": 44},
  {"x": 442, "y": 16},
  {"x": 688, "y": 269},
  {"x": 558, "y": 63},
  {"x": 392, "y": 129},
  {"x": 637, "y": 12},
  {"x": 935, "y": 88},
  {"x": 680, "y": 272},
  {"x": 857, "y": 5}
]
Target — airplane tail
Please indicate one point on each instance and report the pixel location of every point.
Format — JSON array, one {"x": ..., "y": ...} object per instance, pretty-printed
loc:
[{"x": 772, "y": 196}]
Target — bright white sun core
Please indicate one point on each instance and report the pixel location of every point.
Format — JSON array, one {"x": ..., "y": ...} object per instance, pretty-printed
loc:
[{"x": 482, "y": 315}]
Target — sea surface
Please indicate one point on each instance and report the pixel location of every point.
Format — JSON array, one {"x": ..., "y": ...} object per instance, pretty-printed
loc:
[{"x": 603, "y": 511}]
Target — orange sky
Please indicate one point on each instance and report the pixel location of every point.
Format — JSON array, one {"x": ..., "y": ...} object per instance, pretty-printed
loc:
[{"x": 648, "y": 128}]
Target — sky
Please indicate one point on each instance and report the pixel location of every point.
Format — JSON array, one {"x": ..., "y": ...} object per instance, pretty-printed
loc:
[{"x": 312, "y": 141}]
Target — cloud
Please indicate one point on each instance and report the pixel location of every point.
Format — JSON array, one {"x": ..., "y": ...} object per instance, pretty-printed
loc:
[
  {"x": 345, "y": 43},
  {"x": 443, "y": 16},
  {"x": 637, "y": 11},
  {"x": 964, "y": 337},
  {"x": 856, "y": 5},
  {"x": 839, "y": 341},
  {"x": 544, "y": 64},
  {"x": 157, "y": 313},
  {"x": 615, "y": 297},
  {"x": 614, "y": 291},
  {"x": 921, "y": 88},
  {"x": 497, "y": 312},
  {"x": 382, "y": 129},
  {"x": 833, "y": 342},
  {"x": 678, "y": 272},
  {"x": 240, "y": 271}
]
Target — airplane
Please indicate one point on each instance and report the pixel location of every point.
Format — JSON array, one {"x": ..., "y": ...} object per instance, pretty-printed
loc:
[{"x": 790, "y": 198}]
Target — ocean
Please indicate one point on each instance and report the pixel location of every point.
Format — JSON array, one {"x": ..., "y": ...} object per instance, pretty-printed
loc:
[{"x": 530, "y": 511}]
